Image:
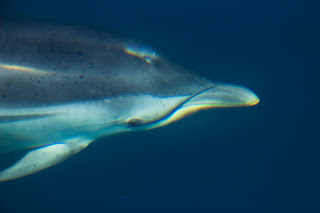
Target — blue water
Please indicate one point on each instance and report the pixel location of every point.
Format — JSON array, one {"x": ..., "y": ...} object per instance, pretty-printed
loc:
[{"x": 258, "y": 159}]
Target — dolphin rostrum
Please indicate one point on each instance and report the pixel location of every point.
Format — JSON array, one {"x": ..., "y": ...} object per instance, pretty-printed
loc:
[{"x": 63, "y": 87}]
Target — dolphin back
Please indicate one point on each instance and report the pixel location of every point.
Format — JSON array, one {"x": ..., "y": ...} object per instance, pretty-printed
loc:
[{"x": 43, "y": 64}]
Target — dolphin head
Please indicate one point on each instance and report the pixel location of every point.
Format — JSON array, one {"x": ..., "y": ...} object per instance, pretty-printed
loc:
[{"x": 171, "y": 93}]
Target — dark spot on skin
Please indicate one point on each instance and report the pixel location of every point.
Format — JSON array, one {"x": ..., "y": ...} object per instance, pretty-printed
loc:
[
  {"x": 75, "y": 42},
  {"x": 75, "y": 82},
  {"x": 35, "y": 94},
  {"x": 34, "y": 165},
  {"x": 115, "y": 75},
  {"x": 23, "y": 60},
  {"x": 62, "y": 85},
  {"x": 91, "y": 67},
  {"x": 91, "y": 63},
  {"x": 135, "y": 122},
  {"x": 41, "y": 77},
  {"x": 4, "y": 96},
  {"x": 38, "y": 82},
  {"x": 81, "y": 76},
  {"x": 53, "y": 68},
  {"x": 80, "y": 53},
  {"x": 76, "y": 97},
  {"x": 7, "y": 84}
]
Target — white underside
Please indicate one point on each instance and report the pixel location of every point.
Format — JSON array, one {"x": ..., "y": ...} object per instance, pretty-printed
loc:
[{"x": 54, "y": 133}]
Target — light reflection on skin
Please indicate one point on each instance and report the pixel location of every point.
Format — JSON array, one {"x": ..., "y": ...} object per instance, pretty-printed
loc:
[
  {"x": 145, "y": 53},
  {"x": 21, "y": 68}
]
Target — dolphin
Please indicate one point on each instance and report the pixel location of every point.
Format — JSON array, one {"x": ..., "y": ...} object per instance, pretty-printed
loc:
[{"x": 64, "y": 86}]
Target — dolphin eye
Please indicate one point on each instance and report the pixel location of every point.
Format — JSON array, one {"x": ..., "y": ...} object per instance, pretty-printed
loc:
[{"x": 135, "y": 122}]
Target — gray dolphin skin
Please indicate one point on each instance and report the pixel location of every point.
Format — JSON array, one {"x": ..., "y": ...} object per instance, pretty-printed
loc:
[{"x": 63, "y": 87}]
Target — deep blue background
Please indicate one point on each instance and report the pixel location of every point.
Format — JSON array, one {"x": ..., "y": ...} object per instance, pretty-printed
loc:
[{"x": 258, "y": 159}]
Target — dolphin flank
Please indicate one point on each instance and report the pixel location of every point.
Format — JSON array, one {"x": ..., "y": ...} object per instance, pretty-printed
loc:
[{"x": 63, "y": 87}]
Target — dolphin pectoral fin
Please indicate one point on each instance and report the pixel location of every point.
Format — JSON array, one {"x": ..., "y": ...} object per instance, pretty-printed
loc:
[{"x": 44, "y": 157}]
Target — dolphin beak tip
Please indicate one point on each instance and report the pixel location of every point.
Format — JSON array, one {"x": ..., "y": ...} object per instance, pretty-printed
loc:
[{"x": 252, "y": 100}]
